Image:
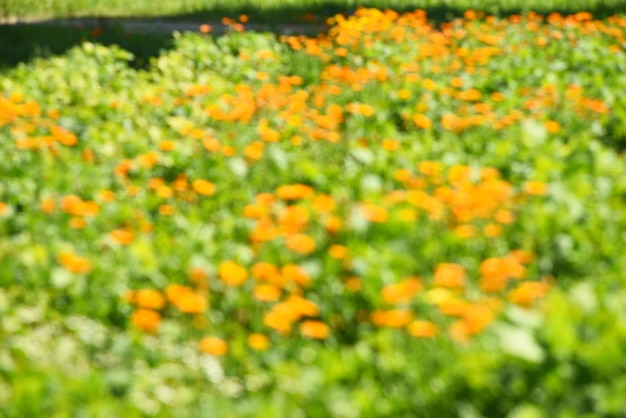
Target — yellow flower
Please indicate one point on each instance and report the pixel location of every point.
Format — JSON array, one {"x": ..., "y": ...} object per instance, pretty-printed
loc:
[
  {"x": 422, "y": 329},
  {"x": 258, "y": 342},
  {"x": 232, "y": 273}
]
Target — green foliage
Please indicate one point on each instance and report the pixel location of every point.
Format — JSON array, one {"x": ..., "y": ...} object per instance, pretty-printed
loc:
[{"x": 70, "y": 346}]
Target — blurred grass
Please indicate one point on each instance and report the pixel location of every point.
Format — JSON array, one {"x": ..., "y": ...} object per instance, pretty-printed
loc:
[{"x": 282, "y": 10}]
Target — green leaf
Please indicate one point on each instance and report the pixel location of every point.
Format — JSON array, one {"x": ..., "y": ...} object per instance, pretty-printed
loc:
[
  {"x": 526, "y": 411},
  {"x": 519, "y": 342},
  {"x": 560, "y": 329},
  {"x": 61, "y": 278}
]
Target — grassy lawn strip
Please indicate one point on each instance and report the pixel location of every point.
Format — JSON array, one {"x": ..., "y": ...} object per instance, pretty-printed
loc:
[{"x": 284, "y": 10}]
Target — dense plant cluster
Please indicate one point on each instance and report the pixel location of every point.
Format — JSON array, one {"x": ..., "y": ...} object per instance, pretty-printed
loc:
[{"x": 391, "y": 219}]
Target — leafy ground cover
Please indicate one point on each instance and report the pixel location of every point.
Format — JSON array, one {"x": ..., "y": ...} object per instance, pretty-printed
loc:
[{"x": 391, "y": 219}]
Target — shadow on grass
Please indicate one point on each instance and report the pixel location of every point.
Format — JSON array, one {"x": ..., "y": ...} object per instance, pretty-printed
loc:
[
  {"x": 22, "y": 43},
  {"x": 437, "y": 13}
]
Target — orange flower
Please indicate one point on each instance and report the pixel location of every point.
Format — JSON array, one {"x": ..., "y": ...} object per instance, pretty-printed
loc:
[
  {"x": 180, "y": 184},
  {"x": 353, "y": 284},
  {"x": 465, "y": 231},
  {"x": 214, "y": 346},
  {"x": 552, "y": 126},
  {"x": 374, "y": 213},
  {"x": 459, "y": 174},
  {"x": 228, "y": 151},
  {"x": 122, "y": 236},
  {"x": 492, "y": 230},
  {"x": 190, "y": 302},
  {"x": 459, "y": 331},
  {"x": 174, "y": 292},
  {"x": 74, "y": 263},
  {"x": 74, "y": 205},
  {"x": 47, "y": 205},
  {"x": 527, "y": 292},
  {"x": 496, "y": 272},
  {"x": 211, "y": 144},
  {"x": 333, "y": 224},
  {"x": 323, "y": 204},
  {"x": 429, "y": 168},
  {"x": 204, "y": 187},
  {"x": 263, "y": 270},
  {"x": 422, "y": 329},
  {"x": 493, "y": 283},
  {"x": 294, "y": 192},
  {"x": 254, "y": 151},
  {"x": 523, "y": 256},
  {"x": 478, "y": 317},
  {"x": 258, "y": 342},
  {"x": 470, "y": 95},
  {"x": 198, "y": 277},
  {"x": 77, "y": 223},
  {"x": 456, "y": 82},
  {"x": 512, "y": 267},
  {"x": 404, "y": 94},
  {"x": 394, "y": 318},
  {"x": 267, "y": 293},
  {"x": 300, "y": 306},
  {"x": 148, "y": 159},
  {"x": 300, "y": 243},
  {"x": 364, "y": 110},
  {"x": 449, "y": 275},
  {"x": 390, "y": 144},
  {"x": 315, "y": 329},
  {"x": 422, "y": 121},
  {"x": 232, "y": 273},
  {"x": 264, "y": 230},
  {"x": 338, "y": 252},
  {"x": 254, "y": 211},
  {"x": 167, "y": 210},
  {"x": 296, "y": 274},
  {"x": 536, "y": 188},
  {"x": 167, "y": 145},
  {"x": 401, "y": 292},
  {"x": 264, "y": 199},
  {"x": 504, "y": 216},
  {"x": 63, "y": 136},
  {"x": 278, "y": 321},
  {"x": 293, "y": 219},
  {"x": 452, "y": 307},
  {"x": 106, "y": 195},
  {"x": 429, "y": 84},
  {"x": 149, "y": 299},
  {"x": 146, "y": 319}
]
